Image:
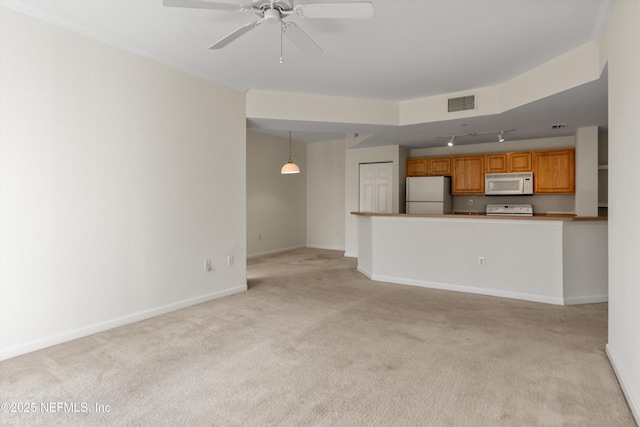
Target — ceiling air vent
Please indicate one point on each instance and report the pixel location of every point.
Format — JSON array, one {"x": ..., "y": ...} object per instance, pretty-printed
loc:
[
  {"x": 462, "y": 103},
  {"x": 559, "y": 126}
]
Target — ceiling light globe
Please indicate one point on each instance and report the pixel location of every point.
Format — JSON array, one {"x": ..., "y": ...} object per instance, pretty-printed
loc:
[{"x": 289, "y": 168}]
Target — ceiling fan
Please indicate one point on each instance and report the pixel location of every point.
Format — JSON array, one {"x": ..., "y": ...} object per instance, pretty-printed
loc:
[{"x": 275, "y": 11}]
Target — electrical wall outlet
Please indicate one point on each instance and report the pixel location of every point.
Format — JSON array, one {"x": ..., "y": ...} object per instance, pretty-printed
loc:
[
  {"x": 481, "y": 262},
  {"x": 230, "y": 260},
  {"x": 207, "y": 264},
  {"x": 470, "y": 202}
]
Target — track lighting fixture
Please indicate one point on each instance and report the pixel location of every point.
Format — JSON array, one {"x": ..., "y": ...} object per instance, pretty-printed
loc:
[{"x": 474, "y": 134}]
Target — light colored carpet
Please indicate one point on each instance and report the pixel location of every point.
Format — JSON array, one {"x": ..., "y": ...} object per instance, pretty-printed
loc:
[{"x": 313, "y": 342}]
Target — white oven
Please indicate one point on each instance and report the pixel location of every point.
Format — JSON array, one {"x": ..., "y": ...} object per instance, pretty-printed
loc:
[{"x": 510, "y": 209}]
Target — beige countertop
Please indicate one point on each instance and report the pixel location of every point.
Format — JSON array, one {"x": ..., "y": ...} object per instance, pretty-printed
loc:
[{"x": 481, "y": 215}]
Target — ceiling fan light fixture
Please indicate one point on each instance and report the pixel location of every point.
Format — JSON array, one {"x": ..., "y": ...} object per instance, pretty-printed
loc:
[
  {"x": 272, "y": 16},
  {"x": 275, "y": 11}
]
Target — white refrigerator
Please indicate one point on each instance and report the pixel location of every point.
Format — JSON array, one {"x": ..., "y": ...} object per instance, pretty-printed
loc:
[{"x": 429, "y": 195}]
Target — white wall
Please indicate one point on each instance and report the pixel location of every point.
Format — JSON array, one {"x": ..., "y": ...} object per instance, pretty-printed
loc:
[
  {"x": 587, "y": 171},
  {"x": 331, "y": 174},
  {"x": 276, "y": 203},
  {"x": 585, "y": 261},
  {"x": 354, "y": 157},
  {"x": 620, "y": 46},
  {"x": 443, "y": 253},
  {"x": 118, "y": 178},
  {"x": 325, "y": 194},
  {"x": 308, "y": 107},
  {"x": 570, "y": 70}
]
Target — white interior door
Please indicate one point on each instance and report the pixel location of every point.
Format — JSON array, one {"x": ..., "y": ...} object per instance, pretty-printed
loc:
[{"x": 376, "y": 187}]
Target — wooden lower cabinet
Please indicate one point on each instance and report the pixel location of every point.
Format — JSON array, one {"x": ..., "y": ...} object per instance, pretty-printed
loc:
[
  {"x": 468, "y": 175},
  {"x": 417, "y": 167},
  {"x": 554, "y": 172}
]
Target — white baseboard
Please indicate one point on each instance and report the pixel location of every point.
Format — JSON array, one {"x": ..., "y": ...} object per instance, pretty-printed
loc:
[
  {"x": 275, "y": 251},
  {"x": 63, "y": 337},
  {"x": 469, "y": 289},
  {"x": 329, "y": 248},
  {"x": 592, "y": 299},
  {"x": 624, "y": 385},
  {"x": 351, "y": 254},
  {"x": 365, "y": 272}
]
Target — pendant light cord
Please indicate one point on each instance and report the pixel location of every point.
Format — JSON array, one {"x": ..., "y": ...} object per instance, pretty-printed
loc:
[{"x": 281, "y": 31}]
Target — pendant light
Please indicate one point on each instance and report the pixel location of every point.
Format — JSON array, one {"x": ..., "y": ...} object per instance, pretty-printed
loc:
[{"x": 290, "y": 167}]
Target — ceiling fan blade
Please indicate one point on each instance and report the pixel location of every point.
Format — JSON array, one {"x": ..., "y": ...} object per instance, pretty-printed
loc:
[
  {"x": 301, "y": 40},
  {"x": 235, "y": 34},
  {"x": 201, "y": 4},
  {"x": 352, "y": 10}
]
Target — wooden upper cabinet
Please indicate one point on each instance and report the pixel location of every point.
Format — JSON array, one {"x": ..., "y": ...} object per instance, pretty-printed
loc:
[
  {"x": 496, "y": 163},
  {"x": 508, "y": 162},
  {"x": 434, "y": 166},
  {"x": 417, "y": 167},
  {"x": 554, "y": 171},
  {"x": 520, "y": 162},
  {"x": 468, "y": 175},
  {"x": 439, "y": 166}
]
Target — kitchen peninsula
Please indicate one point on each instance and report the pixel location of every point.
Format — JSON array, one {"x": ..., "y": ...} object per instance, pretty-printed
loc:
[{"x": 549, "y": 259}]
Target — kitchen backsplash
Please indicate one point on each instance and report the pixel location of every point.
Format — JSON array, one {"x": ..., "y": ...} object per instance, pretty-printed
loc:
[{"x": 546, "y": 203}]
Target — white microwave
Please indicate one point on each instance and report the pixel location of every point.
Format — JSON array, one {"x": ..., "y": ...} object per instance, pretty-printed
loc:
[{"x": 496, "y": 184}]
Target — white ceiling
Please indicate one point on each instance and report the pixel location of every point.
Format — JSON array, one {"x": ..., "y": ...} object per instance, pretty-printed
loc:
[{"x": 409, "y": 49}]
